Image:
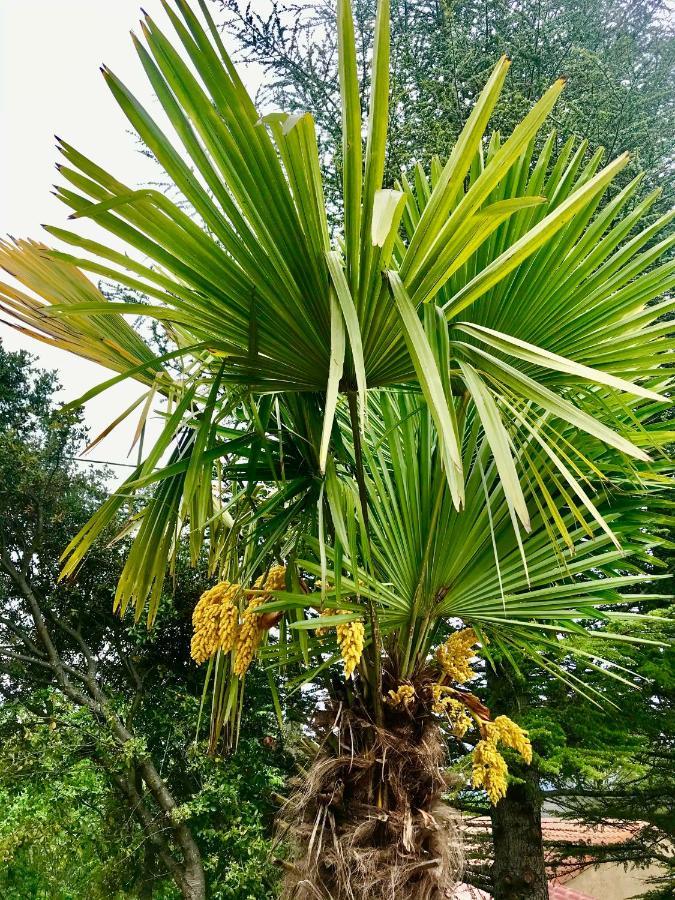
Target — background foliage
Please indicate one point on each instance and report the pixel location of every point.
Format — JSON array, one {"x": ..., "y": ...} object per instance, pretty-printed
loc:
[
  {"x": 618, "y": 56},
  {"x": 66, "y": 832}
]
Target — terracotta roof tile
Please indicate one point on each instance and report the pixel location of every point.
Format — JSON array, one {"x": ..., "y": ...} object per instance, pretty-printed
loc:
[
  {"x": 555, "y": 892},
  {"x": 570, "y": 830},
  {"x": 555, "y": 831},
  {"x": 467, "y": 892},
  {"x": 559, "y": 892},
  {"x": 577, "y": 832}
]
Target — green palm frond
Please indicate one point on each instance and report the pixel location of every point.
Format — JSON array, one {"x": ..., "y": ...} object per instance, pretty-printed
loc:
[
  {"x": 510, "y": 245},
  {"x": 103, "y": 339},
  {"x": 430, "y": 564}
]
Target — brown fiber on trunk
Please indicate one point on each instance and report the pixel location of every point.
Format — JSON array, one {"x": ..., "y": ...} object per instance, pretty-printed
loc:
[{"x": 366, "y": 820}]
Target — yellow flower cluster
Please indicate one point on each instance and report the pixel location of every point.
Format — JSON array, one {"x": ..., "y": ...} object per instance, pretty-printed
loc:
[
  {"x": 489, "y": 770},
  {"x": 322, "y": 631},
  {"x": 275, "y": 581},
  {"x": 350, "y": 638},
  {"x": 402, "y": 697},
  {"x": 489, "y": 766},
  {"x": 455, "y": 654},
  {"x": 215, "y": 620},
  {"x": 445, "y": 705},
  {"x": 250, "y": 633},
  {"x": 506, "y": 731}
]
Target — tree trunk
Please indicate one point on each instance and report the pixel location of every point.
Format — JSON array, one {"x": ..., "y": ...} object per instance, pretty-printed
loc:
[
  {"x": 367, "y": 821},
  {"x": 188, "y": 873},
  {"x": 144, "y": 885},
  {"x": 519, "y": 872},
  {"x": 193, "y": 887}
]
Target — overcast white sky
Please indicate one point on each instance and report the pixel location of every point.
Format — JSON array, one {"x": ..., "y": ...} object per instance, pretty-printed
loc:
[{"x": 50, "y": 51}]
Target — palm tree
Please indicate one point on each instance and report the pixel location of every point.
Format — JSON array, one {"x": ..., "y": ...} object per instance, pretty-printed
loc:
[{"x": 412, "y": 435}]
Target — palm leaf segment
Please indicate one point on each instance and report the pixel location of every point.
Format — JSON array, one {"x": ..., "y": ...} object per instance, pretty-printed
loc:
[
  {"x": 499, "y": 284},
  {"x": 427, "y": 564}
]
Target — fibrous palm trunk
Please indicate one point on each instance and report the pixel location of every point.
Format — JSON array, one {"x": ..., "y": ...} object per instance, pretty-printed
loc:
[{"x": 366, "y": 820}]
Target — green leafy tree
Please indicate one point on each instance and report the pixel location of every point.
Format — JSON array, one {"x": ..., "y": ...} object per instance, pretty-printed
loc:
[
  {"x": 606, "y": 768},
  {"x": 618, "y": 56},
  {"x": 441, "y": 410},
  {"x": 64, "y": 833},
  {"x": 104, "y": 790}
]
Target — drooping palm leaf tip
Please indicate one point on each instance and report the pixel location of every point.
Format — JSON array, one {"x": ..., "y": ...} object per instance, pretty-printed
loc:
[{"x": 448, "y": 410}]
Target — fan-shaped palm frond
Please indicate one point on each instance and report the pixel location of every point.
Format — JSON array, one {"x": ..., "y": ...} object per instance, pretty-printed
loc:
[
  {"x": 424, "y": 563},
  {"x": 111, "y": 342},
  {"x": 499, "y": 283}
]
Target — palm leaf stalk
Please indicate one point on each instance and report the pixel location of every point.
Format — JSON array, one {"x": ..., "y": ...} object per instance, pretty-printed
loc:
[{"x": 433, "y": 427}]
